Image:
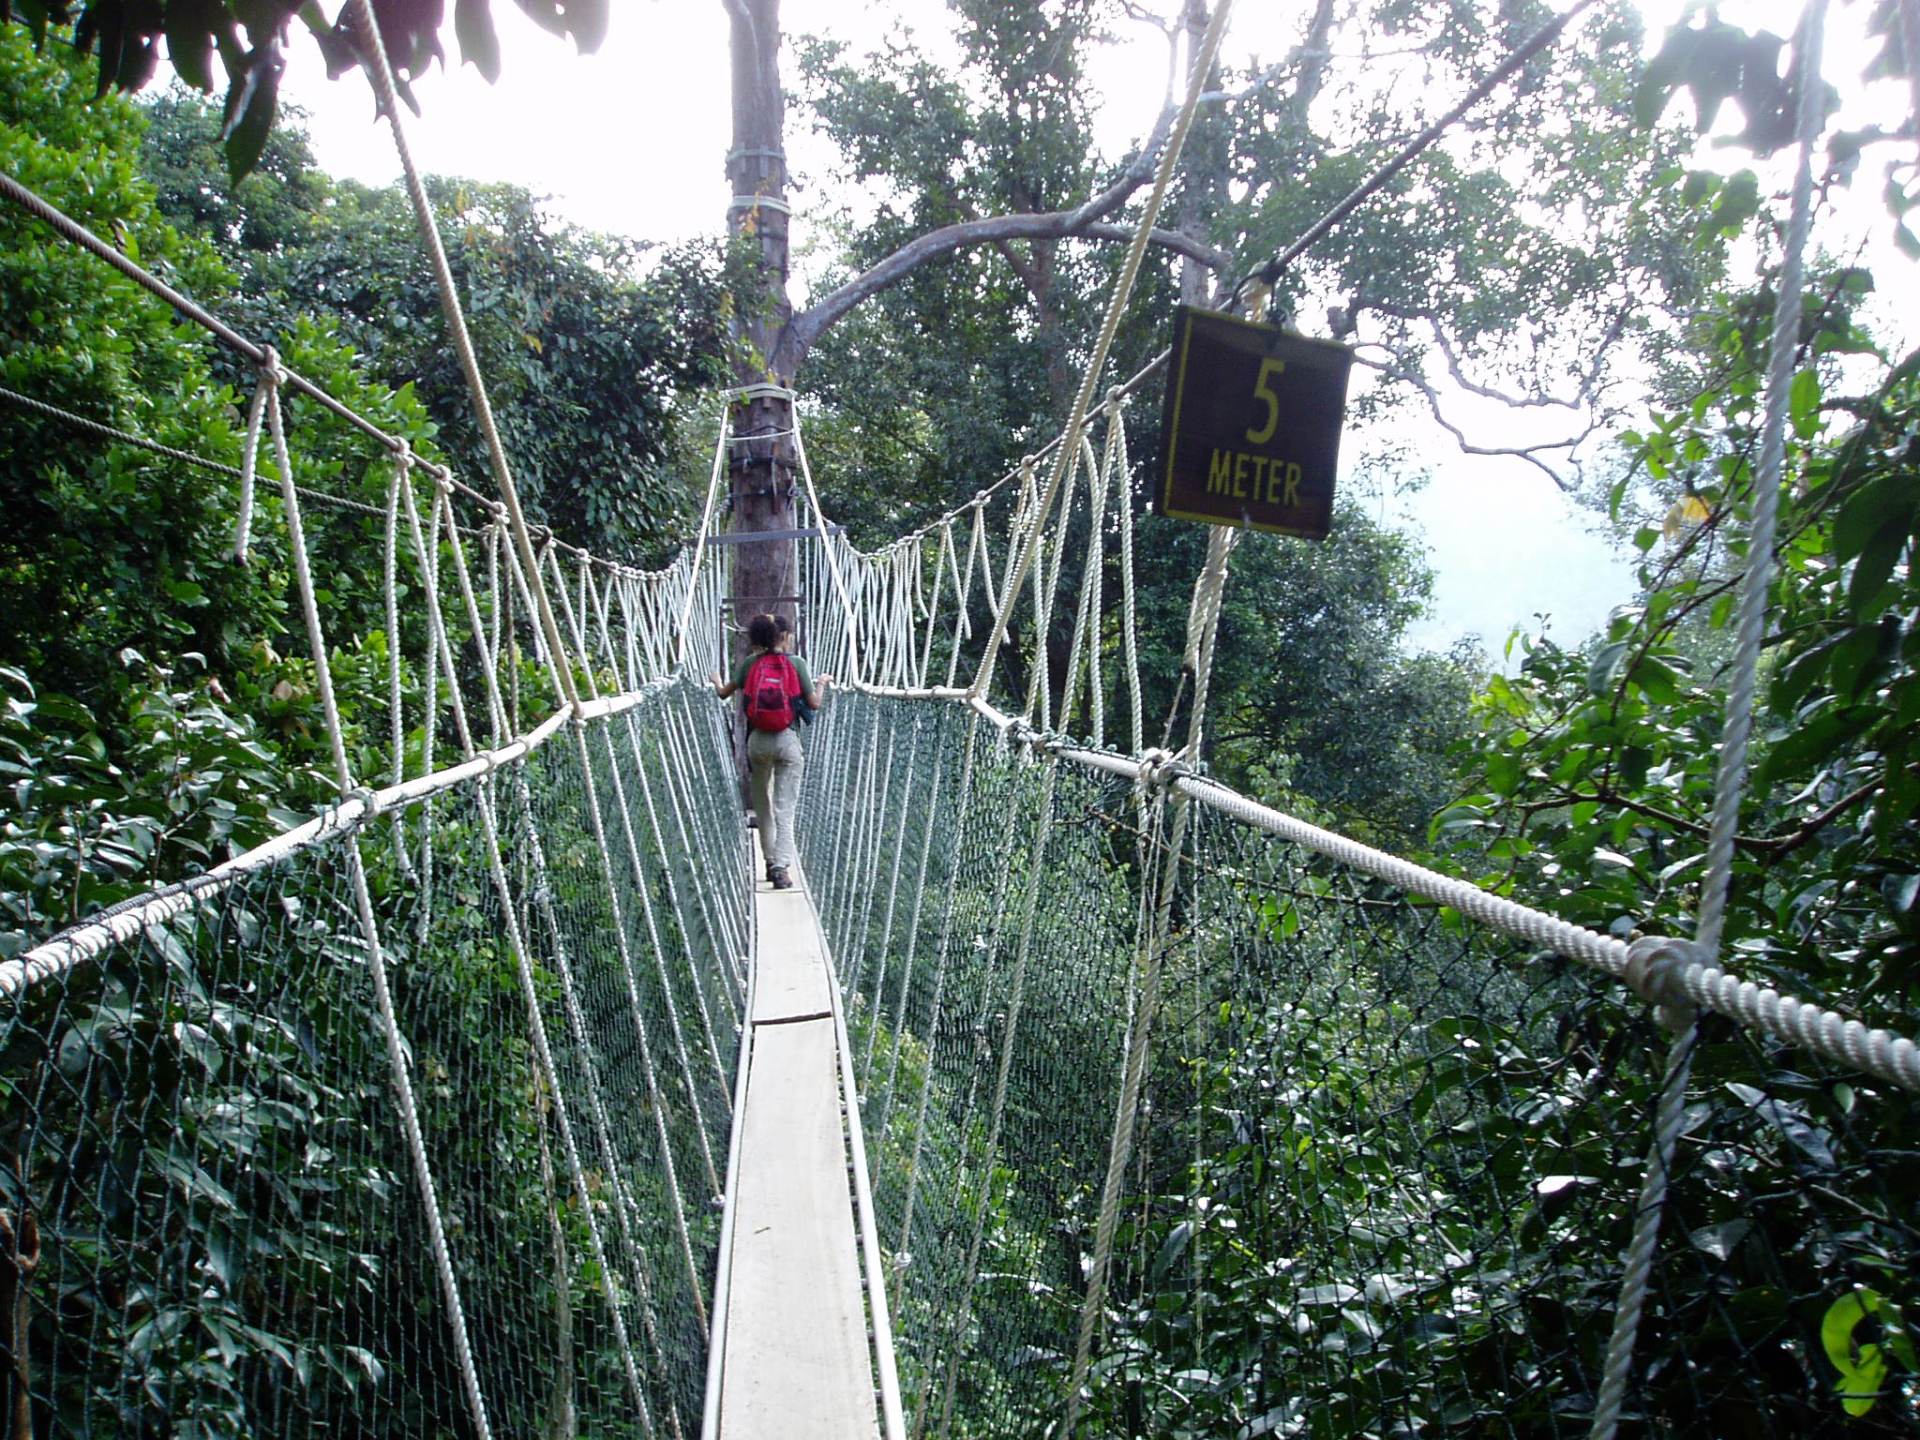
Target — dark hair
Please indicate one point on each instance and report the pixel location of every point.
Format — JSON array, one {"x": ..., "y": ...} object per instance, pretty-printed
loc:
[
  {"x": 762, "y": 631},
  {"x": 783, "y": 625}
]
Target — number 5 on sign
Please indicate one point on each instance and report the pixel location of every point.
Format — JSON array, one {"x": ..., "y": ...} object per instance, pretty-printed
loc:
[{"x": 1260, "y": 434}]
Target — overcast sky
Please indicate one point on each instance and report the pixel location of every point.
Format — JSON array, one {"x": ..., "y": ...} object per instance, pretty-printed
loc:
[{"x": 630, "y": 140}]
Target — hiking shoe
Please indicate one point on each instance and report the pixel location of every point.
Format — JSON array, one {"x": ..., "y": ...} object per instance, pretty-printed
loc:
[{"x": 781, "y": 879}]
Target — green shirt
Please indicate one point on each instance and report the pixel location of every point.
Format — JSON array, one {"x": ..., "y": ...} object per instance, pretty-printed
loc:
[{"x": 799, "y": 666}]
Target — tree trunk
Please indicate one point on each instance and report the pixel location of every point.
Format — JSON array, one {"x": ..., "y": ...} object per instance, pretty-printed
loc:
[{"x": 761, "y": 473}]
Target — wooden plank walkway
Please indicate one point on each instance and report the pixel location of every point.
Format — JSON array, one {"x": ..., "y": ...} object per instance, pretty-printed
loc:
[{"x": 796, "y": 1359}]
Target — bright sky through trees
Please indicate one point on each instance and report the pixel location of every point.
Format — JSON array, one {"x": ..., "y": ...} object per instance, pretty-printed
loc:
[{"x": 630, "y": 140}]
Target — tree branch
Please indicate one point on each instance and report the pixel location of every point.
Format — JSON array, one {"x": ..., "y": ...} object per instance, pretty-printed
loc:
[
  {"x": 1207, "y": 255},
  {"x": 1400, "y": 369},
  {"x": 1772, "y": 847},
  {"x": 807, "y": 327}
]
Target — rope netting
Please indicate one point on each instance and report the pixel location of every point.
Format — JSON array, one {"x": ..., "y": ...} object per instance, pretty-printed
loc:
[
  {"x": 1180, "y": 1115},
  {"x": 414, "y": 1119},
  {"x": 1384, "y": 1160},
  {"x": 230, "y": 1233}
]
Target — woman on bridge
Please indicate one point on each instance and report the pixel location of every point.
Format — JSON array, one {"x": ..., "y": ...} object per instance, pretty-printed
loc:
[{"x": 773, "y": 680}]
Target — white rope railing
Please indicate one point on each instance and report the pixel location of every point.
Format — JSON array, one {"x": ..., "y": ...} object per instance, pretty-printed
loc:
[{"x": 883, "y": 620}]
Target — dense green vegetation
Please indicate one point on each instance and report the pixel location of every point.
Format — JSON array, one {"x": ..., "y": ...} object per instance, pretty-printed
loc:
[
  {"x": 1356, "y": 1085},
  {"x": 587, "y": 341},
  {"x": 127, "y": 626}
]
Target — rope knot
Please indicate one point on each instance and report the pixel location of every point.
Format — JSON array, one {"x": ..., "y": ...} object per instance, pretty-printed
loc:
[
  {"x": 272, "y": 372},
  {"x": 1160, "y": 768},
  {"x": 368, "y": 800},
  {"x": 1656, "y": 969}
]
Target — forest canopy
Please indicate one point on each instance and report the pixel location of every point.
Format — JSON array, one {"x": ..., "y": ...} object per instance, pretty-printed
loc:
[{"x": 1566, "y": 253}]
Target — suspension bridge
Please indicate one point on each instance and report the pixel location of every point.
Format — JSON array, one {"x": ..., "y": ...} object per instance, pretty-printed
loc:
[{"x": 498, "y": 1098}]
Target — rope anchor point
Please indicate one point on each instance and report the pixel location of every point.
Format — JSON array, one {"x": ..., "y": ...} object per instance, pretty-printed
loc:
[{"x": 1657, "y": 967}]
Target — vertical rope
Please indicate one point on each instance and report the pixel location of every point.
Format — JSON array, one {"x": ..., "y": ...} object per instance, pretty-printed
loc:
[
  {"x": 700, "y": 541},
  {"x": 1203, "y": 619},
  {"x": 614, "y": 1171},
  {"x": 1129, "y": 638},
  {"x": 833, "y": 565},
  {"x": 628, "y": 973},
  {"x": 913, "y": 936},
  {"x": 893, "y": 895},
  {"x": 867, "y": 865},
  {"x": 1730, "y": 778},
  {"x": 396, "y": 716},
  {"x": 1069, "y": 450},
  {"x": 249, "y": 462},
  {"x": 397, "y": 1063},
  {"x": 665, "y": 853},
  {"x": 936, "y": 1010},
  {"x": 1016, "y": 994},
  {"x": 381, "y": 75}
]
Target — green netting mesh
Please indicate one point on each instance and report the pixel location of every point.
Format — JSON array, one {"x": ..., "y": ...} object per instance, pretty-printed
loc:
[
  {"x": 1386, "y": 1163},
  {"x": 201, "y": 1124}
]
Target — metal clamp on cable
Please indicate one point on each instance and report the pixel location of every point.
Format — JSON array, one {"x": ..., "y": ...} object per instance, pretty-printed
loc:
[
  {"x": 760, "y": 392},
  {"x": 1160, "y": 768},
  {"x": 1656, "y": 969}
]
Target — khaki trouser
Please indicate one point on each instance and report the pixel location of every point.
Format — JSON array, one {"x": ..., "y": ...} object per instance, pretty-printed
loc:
[{"x": 777, "y": 764}]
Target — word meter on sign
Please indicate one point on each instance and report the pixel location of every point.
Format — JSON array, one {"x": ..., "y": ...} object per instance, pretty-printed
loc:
[{"x": 1250, "y": 432}]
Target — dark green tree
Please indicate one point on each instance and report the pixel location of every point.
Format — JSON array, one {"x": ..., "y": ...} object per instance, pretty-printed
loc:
[{"x": 588, "y": 342}]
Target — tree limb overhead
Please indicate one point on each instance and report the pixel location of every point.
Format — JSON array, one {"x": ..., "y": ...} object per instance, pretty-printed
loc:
[{"x": 808, "y": 326}]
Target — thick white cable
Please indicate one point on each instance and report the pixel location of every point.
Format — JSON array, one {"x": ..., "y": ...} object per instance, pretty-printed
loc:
[
  {"x": 700, "y": 540},
  {"x": 833, "y": 565},
  {"x": 382, "y": 77},
  {"x": 249, "y": 463},
  {"x": 1894, "y": 1058}
]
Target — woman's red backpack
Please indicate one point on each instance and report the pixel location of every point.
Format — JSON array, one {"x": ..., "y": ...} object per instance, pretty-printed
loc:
[{"x": 772, "y": 685}]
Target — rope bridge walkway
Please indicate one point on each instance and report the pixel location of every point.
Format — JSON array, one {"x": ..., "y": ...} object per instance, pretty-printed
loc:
[{"x": 1072, "y": 1093}]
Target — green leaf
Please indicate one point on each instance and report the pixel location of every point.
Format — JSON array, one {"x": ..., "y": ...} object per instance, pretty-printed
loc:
[
  {"x": 1803, "y": 403},
  {"x": 1657, "y": 680},
  {"x": 479, "y": 44},
  {"x": 251, "y": 100},
  {"x": 1791, "y": 1121},
  {"x": 1662, "y": 76},
  {"x": 1605, "y": 660},
  {"x": 190, "y": 29},
  {"x": 1720, "y": 1241},
  {"x": 1172, "y": 1248},
  {"x": 1887, "y": 502},
  {"x": 1869, "y": 589},
  {"x": 1863, "y": 1364},
  {"x": 1809, "y": 743}
]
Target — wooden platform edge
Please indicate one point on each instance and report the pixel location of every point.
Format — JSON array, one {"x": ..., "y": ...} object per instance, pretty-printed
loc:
[
  {"x": 723, "y": 1269},
  {"x": 892, "y": 1417},
  {"x": 873, "y": 1270}
]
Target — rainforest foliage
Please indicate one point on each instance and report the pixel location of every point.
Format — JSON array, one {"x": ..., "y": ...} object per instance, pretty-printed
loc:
[{"x": 157, "y": 717}]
